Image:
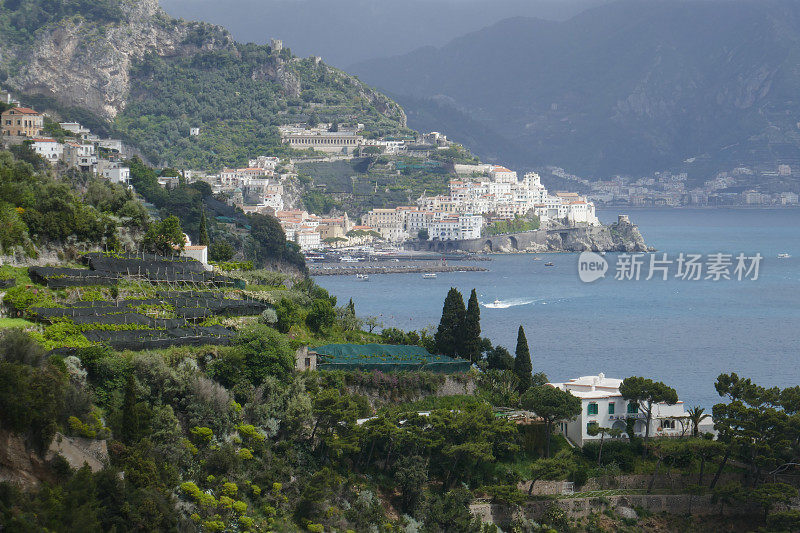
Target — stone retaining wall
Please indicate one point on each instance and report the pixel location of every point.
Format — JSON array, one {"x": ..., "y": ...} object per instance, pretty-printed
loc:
[
  {"x": 502, "y": 514},
  {"x": 676, "y": 482}
]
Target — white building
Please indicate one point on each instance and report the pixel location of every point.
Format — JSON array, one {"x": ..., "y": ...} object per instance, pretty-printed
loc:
[
  {"x": 343, "y": 141},
  {"x": 603, "y": 405},
  {"x": 81, "y": 156},
  {"x": 308, "y": 238},
  {"x": 456, "y": 227},
  {"x": 390, "y": 223},
  {"x": 50, "y": 149},
  {"x": 114, "y": 145},
  {"x": 114, "y": 171},
  {"x": 241, "y": 177},
  {"x": 76, "y": 128},
  {"x": 262, "y": 161}
]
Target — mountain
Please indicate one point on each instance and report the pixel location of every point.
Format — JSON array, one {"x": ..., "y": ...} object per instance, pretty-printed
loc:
[
  {"x": 627, "y": 87},
  {"x": 127, "y": 68},
  {"x": 347, "y": 32}
]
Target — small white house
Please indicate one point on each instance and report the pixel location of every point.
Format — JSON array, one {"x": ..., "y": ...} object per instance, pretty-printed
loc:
[
  {"x": 114, "y": 171},
  {"x": 194, "y": 132},
  {"x": 50, "y": 149},
  {"x": 603, "y": 405}
]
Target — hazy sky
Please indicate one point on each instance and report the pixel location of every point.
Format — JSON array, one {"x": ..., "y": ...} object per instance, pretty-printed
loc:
[{"x": 344, "y": 33}]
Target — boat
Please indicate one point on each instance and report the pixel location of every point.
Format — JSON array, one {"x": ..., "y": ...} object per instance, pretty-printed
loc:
[
  {"x": 362, "y": 277},
  {"x": 429, "y": 275},
  {"x": 537, "y": 258},
  {"x": 348, "y": 259},
  {"x": 784, "y": 256},
  {"x": 549, "y": 264}
]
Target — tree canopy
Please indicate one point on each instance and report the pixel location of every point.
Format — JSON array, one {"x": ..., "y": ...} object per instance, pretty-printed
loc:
[{"x": 552, "y": 405}]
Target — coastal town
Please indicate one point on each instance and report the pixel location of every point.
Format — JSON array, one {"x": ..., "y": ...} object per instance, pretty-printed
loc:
[
  {"x": 479, "y": 195},
  {"x": 733, "y": 188}
]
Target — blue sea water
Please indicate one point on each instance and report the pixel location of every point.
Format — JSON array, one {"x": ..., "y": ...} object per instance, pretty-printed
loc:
[{"x": 682, "y": 332}]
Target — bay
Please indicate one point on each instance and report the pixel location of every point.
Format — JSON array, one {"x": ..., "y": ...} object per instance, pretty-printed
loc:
[{"x": 682, "y": 332}]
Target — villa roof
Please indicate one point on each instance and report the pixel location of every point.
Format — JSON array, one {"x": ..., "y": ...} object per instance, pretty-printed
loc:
[{"x": 23, "y": 111}]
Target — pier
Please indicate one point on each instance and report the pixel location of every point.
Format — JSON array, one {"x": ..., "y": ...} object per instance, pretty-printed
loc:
[{"x": 409, "y": 267}]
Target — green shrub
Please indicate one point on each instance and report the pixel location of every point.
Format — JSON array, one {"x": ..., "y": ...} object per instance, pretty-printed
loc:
[{"x": 265, "y": 353}]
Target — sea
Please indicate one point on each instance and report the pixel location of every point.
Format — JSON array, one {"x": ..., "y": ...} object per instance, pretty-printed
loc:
[{"x": 684, "y": 332}]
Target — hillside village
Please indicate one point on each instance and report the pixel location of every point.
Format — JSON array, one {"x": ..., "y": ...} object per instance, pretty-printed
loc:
[{"x": 479, "y": 194}]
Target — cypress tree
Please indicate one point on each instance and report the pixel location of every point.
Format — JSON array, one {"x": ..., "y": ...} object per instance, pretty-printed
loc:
[
  {"x": 522, "y": 362},
  {"x": 450, "y": 334},
  {"x": 351, "y": 307},
  {"x": 472, "y": 330},
  {"x": 129, "y": 432},
  {"x": 203, "y": 239}
]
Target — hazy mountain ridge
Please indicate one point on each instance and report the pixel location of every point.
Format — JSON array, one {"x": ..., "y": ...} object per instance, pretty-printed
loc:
[
  {"x": 344, "y": 34},
  {"x": 625, "y": 87}
]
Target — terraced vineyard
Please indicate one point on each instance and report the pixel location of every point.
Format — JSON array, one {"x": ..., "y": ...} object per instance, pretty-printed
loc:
[{"x": 173, "y": 301}]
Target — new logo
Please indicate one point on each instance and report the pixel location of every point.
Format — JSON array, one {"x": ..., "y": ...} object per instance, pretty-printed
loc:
[{"x": 591, "y": 266}]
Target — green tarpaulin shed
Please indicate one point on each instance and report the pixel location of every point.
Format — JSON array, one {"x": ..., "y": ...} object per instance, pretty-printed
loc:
[{"x": 386, "y": 358}]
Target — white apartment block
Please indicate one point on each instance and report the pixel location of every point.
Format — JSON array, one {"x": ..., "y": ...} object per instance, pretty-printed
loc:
[
  {"x": 308, "y": 239},
  {"x": 456, "y": 227},
  {"x": 50, "y": 149},
  {"x": 241, "y": 177},
  {"x": 603, "y": 405}
]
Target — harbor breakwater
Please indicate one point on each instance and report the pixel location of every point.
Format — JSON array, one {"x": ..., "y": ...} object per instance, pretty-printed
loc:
[{"x": 331, "y": 269}]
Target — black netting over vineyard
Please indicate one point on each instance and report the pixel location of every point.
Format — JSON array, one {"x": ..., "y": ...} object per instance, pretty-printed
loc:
[
  {"x": 116, "y": 320},
  {"x": 152, "y": 339}
]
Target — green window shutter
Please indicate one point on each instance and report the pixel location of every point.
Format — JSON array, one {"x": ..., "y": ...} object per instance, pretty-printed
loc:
[
  {"x": 590, "y": 425},
  {"x": 611, "y": 408},
  {"x": 633, "y": 408},
  {"x": 592, "y": 408}
]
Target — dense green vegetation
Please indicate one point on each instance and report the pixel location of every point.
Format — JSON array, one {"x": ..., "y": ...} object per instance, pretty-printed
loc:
[
  {"x": 20, "y": 19},
  {"x": 36, "y": 209},
  {"x": 238, "y": 95},
  {"x": 232, "y": 438}
]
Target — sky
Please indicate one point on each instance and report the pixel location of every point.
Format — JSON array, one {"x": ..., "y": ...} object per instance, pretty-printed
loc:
[{"x": 345, "y": 33}]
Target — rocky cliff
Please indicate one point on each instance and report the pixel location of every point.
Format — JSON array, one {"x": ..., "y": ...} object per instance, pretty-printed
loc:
[
  {"x": 80, "y": 62},
  {"x": 622, "y": 236},
  {"x": 149, "y": 76}
]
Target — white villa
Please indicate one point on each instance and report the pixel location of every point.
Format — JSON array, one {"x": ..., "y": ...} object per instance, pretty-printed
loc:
[{"x": 603, "y": 405}]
